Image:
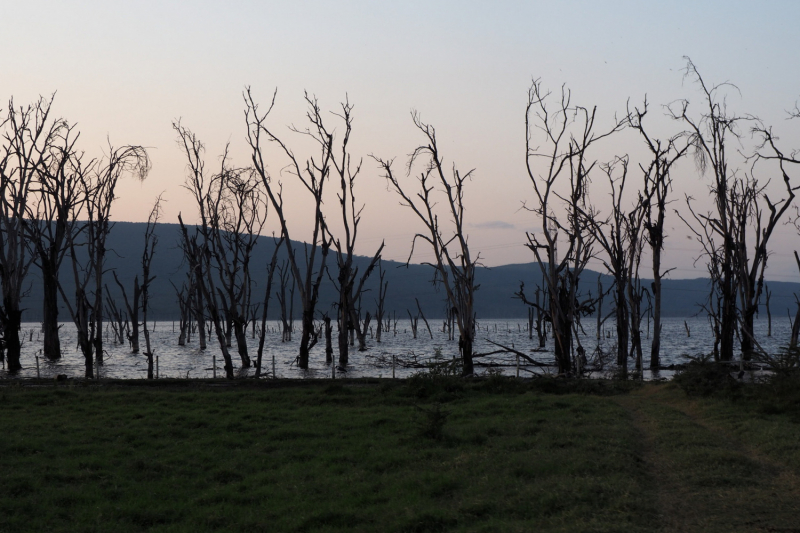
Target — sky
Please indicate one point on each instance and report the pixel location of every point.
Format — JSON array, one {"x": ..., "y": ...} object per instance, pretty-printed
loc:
[{"x": 125, "y": 71}]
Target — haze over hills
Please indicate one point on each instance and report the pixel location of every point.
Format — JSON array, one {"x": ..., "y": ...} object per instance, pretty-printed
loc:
[{"x": 494, "y": 299}]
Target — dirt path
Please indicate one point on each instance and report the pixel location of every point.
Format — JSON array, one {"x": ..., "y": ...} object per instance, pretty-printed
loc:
[
  {"x": 669, "y": 498},
  {"x": 704, "y": 478}
]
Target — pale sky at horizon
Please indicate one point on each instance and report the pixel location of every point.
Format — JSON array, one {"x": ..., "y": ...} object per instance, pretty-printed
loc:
[{"x": 126, "y": 70}]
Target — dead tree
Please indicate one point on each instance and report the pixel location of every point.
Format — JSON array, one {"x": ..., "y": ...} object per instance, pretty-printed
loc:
[
  {"x": 764, "y": 214},
  {"x": 150, "y": 242},
  {"x": 453, "y": 264},
  {"x": 740, "y": 203},
  {"x": 237, "y": 215},
  {"x": 198, "y": 245},
  {"x": 128, "y": 159},
  {"x": 567, "y": 135},
  {"x": 655, "y": 193},
  {"x": 612, "y": 234},
  {"x": 312, "y": 175},
  {"x": 709, "y": 135},
  {"x": 347, "y": 283},
  {"x": 97, "y": 182},
  {"x": 634, "y": 291},
  {"x": 57, "y": 195},
  {"x": 31, "y": 143}
]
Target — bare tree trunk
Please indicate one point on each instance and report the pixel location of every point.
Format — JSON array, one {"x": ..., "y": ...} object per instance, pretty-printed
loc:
[
  {"x": 98, "y": 306},
  {"x": 328, "y": 340},
  {"x": 635, "y": 304},
  {"x": 421, "y": 314},
  {"x": 87, "y": 348},
  {"x": 52, "y": 343},
  {"x": 727, "y": 326},
  {"x": 241, "y": 342},
  {"x": 768, "y": 295},
  {"x": 307, "y": 338},
  {"x": 228, "y": 329},
  {"x": 622, "y": 332},
  {"x": 344, "y": 313},
  {"x": 562, "y": 331},
  {"x": 183, "y": 306},
  {"x": 599, "y": 305},
  {"x": 149, "y": 352},
  {"x": 541, "y": 332},
  {"x": 748, "y": 333},
  {"x": 199, "y": 313},
  {"x": 466, "y": 350},
  {"x": 655, "y": 347},
  {"x": 265, "y": 307},
  {"x": 531, "y": 315},
  {"x": 413, "y": 324},
  {"x": 11, "y": 319},
  {"x": 361, "y": 332}
]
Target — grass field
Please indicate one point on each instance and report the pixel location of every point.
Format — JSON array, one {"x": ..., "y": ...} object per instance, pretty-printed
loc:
[{"x": 445, "y": 455}]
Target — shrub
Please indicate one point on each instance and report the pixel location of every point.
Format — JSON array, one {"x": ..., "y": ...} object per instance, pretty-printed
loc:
[{"x": 704, "y": 377}]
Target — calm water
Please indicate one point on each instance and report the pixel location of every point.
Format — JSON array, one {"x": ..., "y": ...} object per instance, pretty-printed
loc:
[{"x": 191, "y": 362}]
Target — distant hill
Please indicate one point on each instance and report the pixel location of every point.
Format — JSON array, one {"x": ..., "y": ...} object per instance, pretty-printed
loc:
[{"x": 494, "y": 298}]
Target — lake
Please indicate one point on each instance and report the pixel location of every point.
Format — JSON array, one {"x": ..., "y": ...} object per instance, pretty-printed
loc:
[{"x": 191, "y": 362}]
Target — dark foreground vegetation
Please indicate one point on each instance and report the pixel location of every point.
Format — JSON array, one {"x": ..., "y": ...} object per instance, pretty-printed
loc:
[{"x": 428, "y": 454}]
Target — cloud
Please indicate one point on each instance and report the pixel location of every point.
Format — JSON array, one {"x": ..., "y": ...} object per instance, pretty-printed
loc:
[{"x": 494, "y": 224}]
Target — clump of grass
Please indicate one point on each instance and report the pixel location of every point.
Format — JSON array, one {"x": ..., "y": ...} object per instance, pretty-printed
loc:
[{"x": 432, "y": 421}]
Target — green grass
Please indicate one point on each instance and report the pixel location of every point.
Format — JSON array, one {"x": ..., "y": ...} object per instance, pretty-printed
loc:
[{"x": 425, "y": 455}]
